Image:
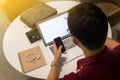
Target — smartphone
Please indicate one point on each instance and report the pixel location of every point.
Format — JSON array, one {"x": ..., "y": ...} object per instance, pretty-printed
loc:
[{"x": 58, "y": 42}]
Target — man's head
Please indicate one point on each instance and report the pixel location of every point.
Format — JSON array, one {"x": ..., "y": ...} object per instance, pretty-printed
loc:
[{"x": 88, "y": 24}]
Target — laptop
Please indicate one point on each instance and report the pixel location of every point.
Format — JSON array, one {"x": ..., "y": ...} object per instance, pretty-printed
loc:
[{"x": 57, "y": 26}]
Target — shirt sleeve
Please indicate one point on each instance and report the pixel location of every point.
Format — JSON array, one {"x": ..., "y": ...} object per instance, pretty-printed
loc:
[
  {"x": 116, "y": 56},
  {"x": 71, "y": 76},
  {"x": 116, "y": 52},
  {"x": 116, "y": 49}
]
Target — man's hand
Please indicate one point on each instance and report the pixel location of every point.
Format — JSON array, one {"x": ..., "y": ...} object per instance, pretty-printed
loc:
[
  {"x": 57, "y": 53},
  {"x": 54, "y": 71}
]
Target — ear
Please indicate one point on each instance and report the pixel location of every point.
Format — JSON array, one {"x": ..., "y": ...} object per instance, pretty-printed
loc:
[{"x": 75, "y": 40}]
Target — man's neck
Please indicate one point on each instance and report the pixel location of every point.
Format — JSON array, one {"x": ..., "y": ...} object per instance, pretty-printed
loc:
[{"x": 89, "y": 53}]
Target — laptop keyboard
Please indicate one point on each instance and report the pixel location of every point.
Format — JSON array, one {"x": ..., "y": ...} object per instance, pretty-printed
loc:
[{"x": 67, "y": 43}]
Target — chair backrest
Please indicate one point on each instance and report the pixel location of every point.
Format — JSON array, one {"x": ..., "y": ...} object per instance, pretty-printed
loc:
[
  {"x": 108, "y": 8},
  {"x": 13, "y": 8},
  {"x": 117, "y": 2}
]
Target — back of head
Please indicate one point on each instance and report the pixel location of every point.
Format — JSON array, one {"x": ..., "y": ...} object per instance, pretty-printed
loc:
[{"x": 88, "y": 24}]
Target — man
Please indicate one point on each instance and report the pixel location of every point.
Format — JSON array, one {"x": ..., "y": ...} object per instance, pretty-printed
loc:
[{"x": 88, "y": 26}]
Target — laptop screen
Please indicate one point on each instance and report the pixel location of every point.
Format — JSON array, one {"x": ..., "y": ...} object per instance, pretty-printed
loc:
[{"x": 54, "y": 27}]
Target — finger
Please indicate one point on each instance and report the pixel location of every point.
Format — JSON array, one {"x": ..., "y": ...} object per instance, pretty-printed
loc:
[
  {"x": 54, "y": 46},
  {"x": 60, "y": 48}
]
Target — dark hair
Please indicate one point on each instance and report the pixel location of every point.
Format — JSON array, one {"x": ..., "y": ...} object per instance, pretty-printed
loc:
[{"x": 88, "y": 24}]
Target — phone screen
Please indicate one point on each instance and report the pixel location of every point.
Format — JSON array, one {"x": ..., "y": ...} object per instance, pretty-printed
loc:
[{"x": 58, "y": 42}]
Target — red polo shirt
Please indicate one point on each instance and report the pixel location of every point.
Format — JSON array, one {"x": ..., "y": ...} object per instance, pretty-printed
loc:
[{"x": 103, "y": 66}]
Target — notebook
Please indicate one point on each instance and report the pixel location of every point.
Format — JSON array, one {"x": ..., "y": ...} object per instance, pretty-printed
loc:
[
  {"x": 31, "y": 59},
  {"x": 57, "y": 27}
]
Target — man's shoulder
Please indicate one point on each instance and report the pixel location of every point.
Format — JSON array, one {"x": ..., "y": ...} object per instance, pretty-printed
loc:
[{"x": 116, "y": 49}]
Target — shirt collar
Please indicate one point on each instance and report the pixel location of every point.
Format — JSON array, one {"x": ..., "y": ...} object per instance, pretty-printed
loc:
[{"x": 91, "y": 59}]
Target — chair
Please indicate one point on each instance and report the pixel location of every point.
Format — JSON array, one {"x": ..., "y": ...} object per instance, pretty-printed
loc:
[
  {"x": 13, "y": 8},
  {"x": 110, "y": 7}
]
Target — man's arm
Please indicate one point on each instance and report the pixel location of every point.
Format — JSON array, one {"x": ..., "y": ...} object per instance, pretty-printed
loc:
[
  {"x": 54, "y": 71},
  {"x": 111, "y": 44}
]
